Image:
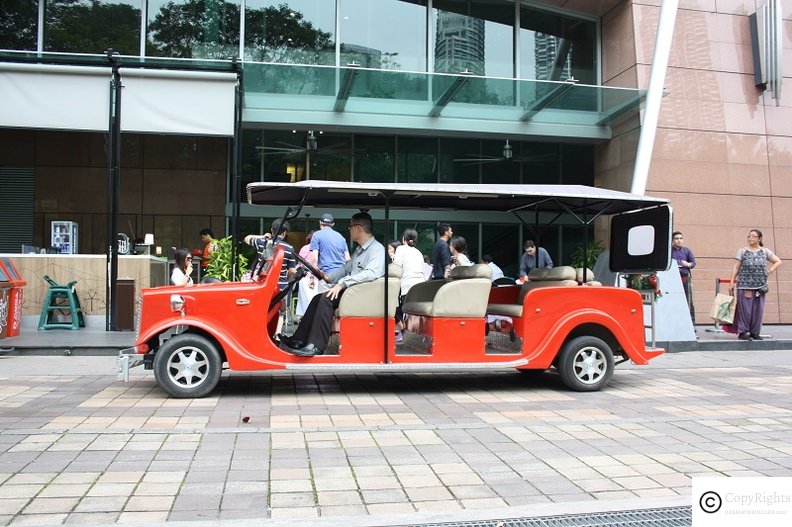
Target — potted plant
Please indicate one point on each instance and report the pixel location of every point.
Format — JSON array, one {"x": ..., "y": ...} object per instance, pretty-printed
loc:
[
  {"x": 588, "y": 257},
  {"x": 220, "y": 264}
]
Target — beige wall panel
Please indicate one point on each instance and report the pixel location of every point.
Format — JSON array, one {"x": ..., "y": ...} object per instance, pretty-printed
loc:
[
  {"x": 692, "y": 114},
  {"x": 781, "y": 181},
  {"x": 697, "y": 5},
  {"x": 781, "y": 217},
  {"x": 727, "y": 217},
  {"x": 733, "y": 29},
  {"x": 744, "y": 149},
  {"x": 625, "y": 79},
  {"x": 690, "y": 145},
  {"x": 705, "y": 177},
  {"x": 779, "y": 151},
  {"x": 737, "y": 7},
  {"x": 712, "y": 116},
  {"x": 779, "y": 118},
  {"x": 618, "y": 45},
  {"x": 734, "y": 57}
]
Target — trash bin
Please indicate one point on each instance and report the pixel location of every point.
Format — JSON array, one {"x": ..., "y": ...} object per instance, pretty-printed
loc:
[
  {"x": 125, "y": 302},
  {"x": 5, "y": 287},
  {"x": 14, "y": 296}
]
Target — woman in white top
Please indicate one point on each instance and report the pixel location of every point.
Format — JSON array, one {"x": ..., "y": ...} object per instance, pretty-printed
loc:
[
  {"x": 458, "y": 253},
  {"x": 183, "y": 268},
  {"x": 412, "y": 263}
]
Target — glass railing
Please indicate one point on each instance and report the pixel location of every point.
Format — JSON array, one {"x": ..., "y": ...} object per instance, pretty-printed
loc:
[
  {"x": 375, "y": 92},
  {"x": 360, "y": 90}
]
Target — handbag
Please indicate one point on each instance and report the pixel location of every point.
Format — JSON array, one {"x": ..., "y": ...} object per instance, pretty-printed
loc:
[
  {"x": 723, "y": 308},
  {"x": 763, "y": 290}
]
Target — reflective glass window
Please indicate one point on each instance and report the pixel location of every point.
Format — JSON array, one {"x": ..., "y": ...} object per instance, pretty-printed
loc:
[
  {"x": 386, "y": 34},
  {"x": 199, "y": 29},
  {"x": 502, "y": 243},
  {"x": 18, "y": 24},
  {"x": 499, "y": 162},
  {"x": 281, "y": 155},
  {"x": 417, "y": 160},
  {"x": 92, "y": 26},
  {"x": 293, "y": 31},
  {"x": 474, "y": 35},
  {"x": 332, "y": 159},
  {"x": 555, "y": 46},
  {"x": 455, "y": 165},
  {"x": 374, "y": 159}
]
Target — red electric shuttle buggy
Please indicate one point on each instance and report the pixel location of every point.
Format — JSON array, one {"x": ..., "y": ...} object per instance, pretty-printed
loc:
[{"x": 561, "y": 317}]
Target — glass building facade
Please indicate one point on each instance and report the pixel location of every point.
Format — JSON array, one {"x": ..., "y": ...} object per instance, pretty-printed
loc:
[{"x": 397, "y": 58}]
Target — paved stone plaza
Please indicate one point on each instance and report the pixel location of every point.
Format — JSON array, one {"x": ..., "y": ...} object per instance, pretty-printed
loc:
[{"x": 77, "y": 447}]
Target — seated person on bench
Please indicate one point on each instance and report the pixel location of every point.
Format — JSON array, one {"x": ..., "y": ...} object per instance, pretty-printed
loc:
[{"x": 366, "y": 265}]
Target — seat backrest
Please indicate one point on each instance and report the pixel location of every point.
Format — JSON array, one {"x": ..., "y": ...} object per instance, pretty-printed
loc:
[
  {"x": 465, "y": 272},
  {"x": 561, "y": 276},
  {"x": 365, "y": 300}
]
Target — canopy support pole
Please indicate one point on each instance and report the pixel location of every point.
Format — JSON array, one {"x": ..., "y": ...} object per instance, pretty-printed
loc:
[
  {"x": 113, "y": 194},
  {"x": 654, "y": 95}
]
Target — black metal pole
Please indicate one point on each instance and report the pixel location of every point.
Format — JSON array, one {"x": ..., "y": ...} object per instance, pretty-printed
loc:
[
  {"x": 388, "y": 334},
  {"x": 236, "y": 168},
  {"x": 113, "y": 194}
]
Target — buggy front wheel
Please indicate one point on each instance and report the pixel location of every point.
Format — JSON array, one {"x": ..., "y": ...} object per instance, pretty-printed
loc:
[{"x": 187, "y": 365}]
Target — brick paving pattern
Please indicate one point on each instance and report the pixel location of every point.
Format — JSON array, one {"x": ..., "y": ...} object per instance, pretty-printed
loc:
[{"x": 78, "y": 447}]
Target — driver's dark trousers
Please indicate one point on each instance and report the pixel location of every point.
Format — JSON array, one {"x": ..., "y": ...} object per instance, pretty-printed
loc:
[{"x": 315, "y": 325}]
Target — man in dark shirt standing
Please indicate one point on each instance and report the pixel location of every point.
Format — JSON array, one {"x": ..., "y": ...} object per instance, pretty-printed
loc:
[
  {"x": 685, "y": 262},
  {"x": 441, "y": 254}
]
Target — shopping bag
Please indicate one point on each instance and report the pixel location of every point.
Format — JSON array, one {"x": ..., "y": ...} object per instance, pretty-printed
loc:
[{"x": 723, "y": 308}]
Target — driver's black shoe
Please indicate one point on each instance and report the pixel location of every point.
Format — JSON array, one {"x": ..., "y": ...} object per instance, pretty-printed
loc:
[
  {"x": 307, "y": 350},
  {"x": 289, "y": 341}
]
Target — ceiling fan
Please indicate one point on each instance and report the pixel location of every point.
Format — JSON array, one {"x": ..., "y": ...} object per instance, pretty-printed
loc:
[
  {"x": 311, "y": 148},
  {"x": 508, "y": 155}
]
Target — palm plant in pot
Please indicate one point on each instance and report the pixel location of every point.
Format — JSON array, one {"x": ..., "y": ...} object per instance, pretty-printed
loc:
[{"x": 220, "y": 265}]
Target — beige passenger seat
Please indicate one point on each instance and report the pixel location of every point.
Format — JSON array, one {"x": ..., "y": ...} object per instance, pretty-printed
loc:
[
  {"x": 463, "y": 295},
  {"x": 561, "y": 276},
  {"x": 365, "y": 300}
]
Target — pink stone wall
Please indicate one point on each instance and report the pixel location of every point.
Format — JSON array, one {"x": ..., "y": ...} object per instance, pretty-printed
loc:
[{"x": 723, "y": 152}]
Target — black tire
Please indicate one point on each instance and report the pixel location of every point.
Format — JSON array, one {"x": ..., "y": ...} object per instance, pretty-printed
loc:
[
  {"x": 586, "y": 364},
  {"x": 187, "y": 365}
]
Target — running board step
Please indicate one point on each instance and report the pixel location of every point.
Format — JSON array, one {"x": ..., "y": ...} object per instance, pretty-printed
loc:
[{"x": 424, "y": 366}]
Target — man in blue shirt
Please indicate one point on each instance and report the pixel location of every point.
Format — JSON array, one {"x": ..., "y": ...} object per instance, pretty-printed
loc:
[
  {"x": 685, "y": 262},
  {"x": 367, "y": 264},
  {"x": 329, "y": 250},
  {"x": 533, "y": 257}
]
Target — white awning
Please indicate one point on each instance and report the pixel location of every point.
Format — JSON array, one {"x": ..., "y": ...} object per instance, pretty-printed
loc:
[
  {"x": 54, "y": 97},
  {"x": 152, "y": 101},
  {"x": 177, "y": 102}
]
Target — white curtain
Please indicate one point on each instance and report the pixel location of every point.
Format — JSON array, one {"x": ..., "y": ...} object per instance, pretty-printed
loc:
[
  {"x": 177, "y": 102},
  {"x": 54, "y": 97}
]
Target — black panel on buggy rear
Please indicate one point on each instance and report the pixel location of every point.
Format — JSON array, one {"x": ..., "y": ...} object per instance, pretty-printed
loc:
[{"x": 640, "y": 241}]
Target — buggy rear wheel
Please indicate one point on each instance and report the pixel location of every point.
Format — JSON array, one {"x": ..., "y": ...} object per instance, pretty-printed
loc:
[
  {"x": 187, "y": 365},
  {"x": 586, "y": 364}
]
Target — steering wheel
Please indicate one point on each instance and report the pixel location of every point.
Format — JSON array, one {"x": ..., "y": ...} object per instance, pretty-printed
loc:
[
  {"x": 314, "y": 271},
  {"x": 295, "y": 279}
]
